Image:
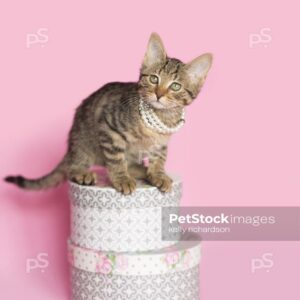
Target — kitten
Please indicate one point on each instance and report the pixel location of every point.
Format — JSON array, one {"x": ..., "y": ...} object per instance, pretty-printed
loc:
[{"x": 115, "y": 124}]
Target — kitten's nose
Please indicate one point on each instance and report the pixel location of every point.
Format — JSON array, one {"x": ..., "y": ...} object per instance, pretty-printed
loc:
[{"x": 159, "y": 93}]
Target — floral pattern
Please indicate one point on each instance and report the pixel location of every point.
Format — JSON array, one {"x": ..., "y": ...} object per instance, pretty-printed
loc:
[
  {"x": 139, "y": 263},
  {"x": 172, "y": 258},
  {"x": 121, "y": 262},
  {"x": 105, "y": 263},
  {"x": 178, "y": 258}
]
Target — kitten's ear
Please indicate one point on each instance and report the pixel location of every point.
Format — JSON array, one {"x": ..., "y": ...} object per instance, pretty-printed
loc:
[
  {"x": 155, "y": 51},
  {"x": 198, "y": 68}
]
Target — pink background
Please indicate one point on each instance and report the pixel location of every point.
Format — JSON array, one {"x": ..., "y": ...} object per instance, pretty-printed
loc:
[{"x": 240, "y": 145}]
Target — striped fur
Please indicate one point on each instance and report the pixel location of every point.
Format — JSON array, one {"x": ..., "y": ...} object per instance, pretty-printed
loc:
[{"x": 107, "y": 128}]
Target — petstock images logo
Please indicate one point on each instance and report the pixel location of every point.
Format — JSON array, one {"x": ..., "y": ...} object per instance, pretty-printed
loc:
[{"x": 231, "y": 223}]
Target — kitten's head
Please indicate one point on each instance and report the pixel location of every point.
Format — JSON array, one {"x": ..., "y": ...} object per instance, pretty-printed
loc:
[{"x": 167, "y": 82}]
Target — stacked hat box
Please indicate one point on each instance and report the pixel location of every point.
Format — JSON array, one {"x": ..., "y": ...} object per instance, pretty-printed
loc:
[{"x": 116, "y": 249}]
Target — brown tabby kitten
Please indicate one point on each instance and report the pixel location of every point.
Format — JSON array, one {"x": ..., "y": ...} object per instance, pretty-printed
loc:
[{"x": 108, "y": 129}]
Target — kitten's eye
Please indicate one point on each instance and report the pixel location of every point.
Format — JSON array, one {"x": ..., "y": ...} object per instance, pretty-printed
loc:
[
  {"x": 154, "y": 79},
  {"x": 175, "y": 86}
]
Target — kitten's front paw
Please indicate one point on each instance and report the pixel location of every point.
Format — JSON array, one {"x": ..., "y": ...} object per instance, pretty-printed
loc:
[
  {"x": 88, "y": 178},
  {"x": 161, "y": 181},
  {"x": 125, "y": 185}
]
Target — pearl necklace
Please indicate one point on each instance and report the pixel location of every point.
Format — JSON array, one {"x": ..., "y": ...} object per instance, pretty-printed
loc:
[{"x": 153, "y": 122}]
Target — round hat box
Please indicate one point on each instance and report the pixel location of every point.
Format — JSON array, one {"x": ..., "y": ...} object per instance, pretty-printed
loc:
[
  {"x": 104, "y": 219},
  {"x": 168, "y": 274}
]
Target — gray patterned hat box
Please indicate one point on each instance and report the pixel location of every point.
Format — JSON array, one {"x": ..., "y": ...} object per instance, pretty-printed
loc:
[{"x": 116, "y": 251}]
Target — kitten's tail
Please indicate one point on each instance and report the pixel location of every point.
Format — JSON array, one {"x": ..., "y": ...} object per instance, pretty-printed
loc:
[{"x": 57, "y": 176}]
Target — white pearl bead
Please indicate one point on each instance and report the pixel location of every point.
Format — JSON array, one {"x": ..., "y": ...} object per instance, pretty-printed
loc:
[{"x": 153, "y": 122}]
